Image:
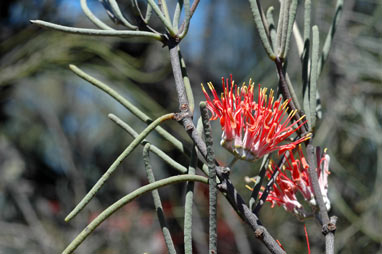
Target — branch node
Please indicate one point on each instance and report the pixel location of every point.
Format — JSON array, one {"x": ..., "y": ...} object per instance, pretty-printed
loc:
[
  {"x": 327, "y": 228},
  {"x": 222, "y": 187},
  {"x": 330, "y": 227},
  {"x": 259, "y": 233},
  {"x": 180, "y": 116},
  {"x": 184, "y": 107},
  {"x": 225, "y": 171}
]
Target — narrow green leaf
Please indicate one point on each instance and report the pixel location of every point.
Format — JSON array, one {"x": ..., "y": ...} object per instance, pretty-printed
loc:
[
  {"x": 123, "y": 201},
  {"x": 97, "y": 32},
  {"x": 165, "y": 19},
  {"x": 291, "y": 19},
  {"x": 271, "y": 27},
  {"x": 177, "y": 12},
  {"x": 116, "y": 163},
  {"x": 307, "y": 13},
  {"x": 171, "y": 162},
  {"x": 187, "y": 18},
  {"x": 187, "y": 83},
  {"x": 314, "y": 74},
  {"x": 260, "y": 28},
  {"x": 188, "y": 205},
  {"x": 127, "y": 104},
  {"x": 149, "y": 11},
  {"x": 280, "y": 25},
  {"x": 96, "y": 21},
  {"x": 305, "y": 58},
  {"x": 284, "y": 28},
  {"x": 117, "y": 12},
  {"x": 157, "y": 201}
]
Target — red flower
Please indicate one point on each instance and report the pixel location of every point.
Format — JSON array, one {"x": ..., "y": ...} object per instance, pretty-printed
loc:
[
  {"x": 295, "y": 178},
  {"x": 252, "y": 129}
]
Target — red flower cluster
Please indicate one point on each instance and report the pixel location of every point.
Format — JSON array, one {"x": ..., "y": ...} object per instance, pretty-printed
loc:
[
  {"x": 252, "y": 129},
  {"x": 295, "y": 178}
]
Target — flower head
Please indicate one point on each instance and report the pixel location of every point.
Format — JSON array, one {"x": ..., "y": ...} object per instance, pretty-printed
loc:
[
  {"x": 294, "y": 178},
  {"x": 252, "y": 129}
]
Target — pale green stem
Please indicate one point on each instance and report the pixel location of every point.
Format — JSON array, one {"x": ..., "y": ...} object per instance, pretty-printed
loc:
[
  {"x": 177, "y": 12},
  {"x": 187, "y": 18},
  {"x": 97, "y": 32},
  {"x": 291, "y": 19},
  {"x": 271, "y": 28},
  {"x": 126, "y": 199},
  {"x": 307, "y": 13},
  {"x": 127, "y": 104},
  {"x": 96, "y": 21},
  {"x": 284, "y": 28},
  {"x": 298, "y": 39},
  {"x": 280, "y": 24},
  {"x": 165, "y": 20},
  {"x": 260, "y": 28},
  {"x": 306, "y": 60},
  {"x": 188, "y": 205},
  {"x": 187, "y": 83},
  {"x": 163, "y": 5},
  {"x": 115, "y": 164},
  {"x": 149, "y": 11},
  {"x": 153, "y": 148},
  {"x": 117, "y": 12},
  {"x": 157, "y": 201},
  {"x": 314, "y": 75}
]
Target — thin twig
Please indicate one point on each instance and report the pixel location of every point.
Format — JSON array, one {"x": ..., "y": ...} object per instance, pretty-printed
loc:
[
  {"x": 157, "y": 201},
  {"x": 245, "y": 213},
  {"x": 187, "y": 84},
  {"x": 328, "y": 226},
  {"x": 211, "y": 177},
  {"x": 329, "y": 231},
  {"x": 185, "y": 114},
  {"x": 184, "y": 24}
]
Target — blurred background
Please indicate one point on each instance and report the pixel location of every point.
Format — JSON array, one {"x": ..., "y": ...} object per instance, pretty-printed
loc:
[{"x": 56, "y": 139}]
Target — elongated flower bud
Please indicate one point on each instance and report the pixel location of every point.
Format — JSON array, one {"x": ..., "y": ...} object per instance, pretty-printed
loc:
[{"x": 294, "y": 178}]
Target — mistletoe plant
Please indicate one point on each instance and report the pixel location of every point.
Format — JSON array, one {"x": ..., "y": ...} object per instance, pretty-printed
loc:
[{"x": 252, "y": 128}]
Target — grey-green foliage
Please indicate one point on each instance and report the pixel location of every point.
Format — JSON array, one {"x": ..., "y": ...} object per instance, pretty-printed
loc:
[
  {"x": 280, "y": 37},
  {"x": 350, "y": 90}
]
